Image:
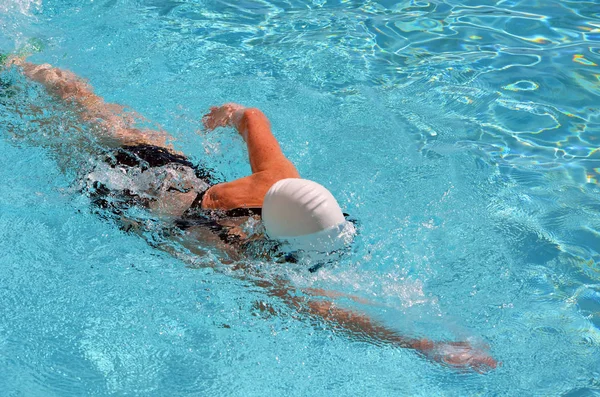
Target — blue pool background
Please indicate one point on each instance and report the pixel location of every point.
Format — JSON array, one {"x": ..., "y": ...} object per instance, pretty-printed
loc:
[{"x": 462, "y": 135}]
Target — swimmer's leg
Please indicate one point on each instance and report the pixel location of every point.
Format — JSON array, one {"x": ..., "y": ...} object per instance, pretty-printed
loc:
[{"x": 116, "y": 125}]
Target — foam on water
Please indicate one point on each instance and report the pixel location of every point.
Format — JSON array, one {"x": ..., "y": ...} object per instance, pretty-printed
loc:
[{"x": 25, "y": 7}]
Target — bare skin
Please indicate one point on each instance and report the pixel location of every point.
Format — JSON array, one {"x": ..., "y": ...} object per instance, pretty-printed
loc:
[
  {"x": 117, "y": 126},
  {"x": 269, "y": 165},
  {"x": 267, "y": 161}
]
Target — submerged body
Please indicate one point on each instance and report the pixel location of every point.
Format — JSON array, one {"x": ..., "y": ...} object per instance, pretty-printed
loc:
[
  {"x": 164, "y": 182},
  {"x": 147, "y": 172}
]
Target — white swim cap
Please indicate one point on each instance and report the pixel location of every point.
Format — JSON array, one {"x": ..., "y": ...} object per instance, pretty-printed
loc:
[{"x": 303, "y": 213}]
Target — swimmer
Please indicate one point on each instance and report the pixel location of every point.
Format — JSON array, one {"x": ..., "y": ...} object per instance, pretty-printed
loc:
[{"x": 140, "y": 167}]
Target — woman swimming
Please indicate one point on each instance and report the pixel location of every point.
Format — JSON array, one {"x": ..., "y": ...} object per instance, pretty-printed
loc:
[{"x": 140, "y": 169}]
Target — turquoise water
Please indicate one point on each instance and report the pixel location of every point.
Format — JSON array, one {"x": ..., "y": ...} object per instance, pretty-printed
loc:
[{"x": 463, "y": 137}]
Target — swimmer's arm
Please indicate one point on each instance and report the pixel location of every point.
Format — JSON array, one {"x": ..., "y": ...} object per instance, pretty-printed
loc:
[
  {"x": 361, "y": 327},
  {"x": 247, "y": 192},
  {"x": 269, "y": 164},
  {"x": 116, "y": 124},
  {"x": 263, "y": 149},
  {"x": 252, "y": 124},
  {"x": 353, "y": 324}
]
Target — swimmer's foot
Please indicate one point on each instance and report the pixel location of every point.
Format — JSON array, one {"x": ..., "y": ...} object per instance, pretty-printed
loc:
[
  {"x": 5, "y": 84},
  {"x": 32, "y": 46},
  {"x": 8, "y": 60}
]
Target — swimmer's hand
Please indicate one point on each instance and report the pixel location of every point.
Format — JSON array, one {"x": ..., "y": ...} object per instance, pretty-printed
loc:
[
  {"x": 460, "y": 355},
  {"x": 227, "y": 115}
]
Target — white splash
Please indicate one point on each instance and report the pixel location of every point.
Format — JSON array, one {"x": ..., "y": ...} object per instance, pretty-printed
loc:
[{"x": 21, "y": 6}]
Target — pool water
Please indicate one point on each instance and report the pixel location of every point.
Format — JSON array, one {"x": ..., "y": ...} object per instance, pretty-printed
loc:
[{"x": 463, "y": 136}]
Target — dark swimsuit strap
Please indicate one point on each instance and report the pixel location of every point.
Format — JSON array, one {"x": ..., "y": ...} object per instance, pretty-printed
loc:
[
  {"x": 196, "y": 216},
  {"x": 234, "y": 213},
  {"x": 197, "y": 203}
]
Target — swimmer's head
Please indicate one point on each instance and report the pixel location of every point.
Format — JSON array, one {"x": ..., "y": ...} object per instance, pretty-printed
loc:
[{"x": 305, "y": 214}]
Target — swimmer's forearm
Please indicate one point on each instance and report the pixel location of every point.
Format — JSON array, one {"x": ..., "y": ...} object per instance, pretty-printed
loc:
[
  {"x": 263, "y": 149},
  {"x": 358, "y": 324},
  {"x": 453, "y": 354}
]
